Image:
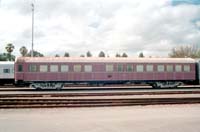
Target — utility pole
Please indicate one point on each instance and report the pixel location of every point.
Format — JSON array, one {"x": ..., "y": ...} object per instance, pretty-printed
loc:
[{"x": 32, "y": 28}]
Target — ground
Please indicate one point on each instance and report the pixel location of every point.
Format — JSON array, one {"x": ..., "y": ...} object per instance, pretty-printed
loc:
[{"x": 158, "y": 118}]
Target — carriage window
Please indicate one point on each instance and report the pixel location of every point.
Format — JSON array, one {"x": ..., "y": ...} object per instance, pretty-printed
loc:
[
  {"x": 119, "y": 67},
  {"x": 77, "y": 68},
  {"x": 169, "y": 68},
  {"x": 160, "y": 68},
  {"x": 129, "y": 68},
  {"x": 88, "y": 68},
  {"x": 64, "y": 68},
  {"x": 43, "y": 68},
  {"x": 20, "y": 68},
  {"x": 139, "y": 68},
  {"x": 178, "y": 68},
  {"x": 149, "y": 68},
  {"x": 6, "y": 70},
  {"x": 186, "y": 68},
  {"x": 109, "y": 68},
  {"x": 32, "y": 68},
  {"x": 53, "y": 68}
]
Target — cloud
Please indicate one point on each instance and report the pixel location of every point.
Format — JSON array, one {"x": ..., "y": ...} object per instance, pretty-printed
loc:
[{"x": 153, "y": 26}]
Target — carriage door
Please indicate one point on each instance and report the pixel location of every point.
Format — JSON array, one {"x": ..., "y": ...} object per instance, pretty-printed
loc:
[{"x": 19, "y": 76}]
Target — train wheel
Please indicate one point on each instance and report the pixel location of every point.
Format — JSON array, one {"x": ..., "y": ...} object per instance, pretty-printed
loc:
[
  {"x": 60, "y": 86},
  {"x": 35, "y": 86},
  {"x": 38, "y": 88},
  {"x": 155, "y": 85}
]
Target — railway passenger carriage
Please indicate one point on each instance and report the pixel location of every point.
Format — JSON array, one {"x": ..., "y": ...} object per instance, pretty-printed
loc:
[
  {"x": 198, "y": 70},
  {"x": 6, "y": 72},
  {"x": 55, "y": 72}
]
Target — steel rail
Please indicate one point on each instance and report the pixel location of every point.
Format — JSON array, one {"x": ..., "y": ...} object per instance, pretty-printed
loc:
[
  {"x": 119, "y": 87},
  {"x": 49, "y": 103},
  {"x": 94, "y": 93}
]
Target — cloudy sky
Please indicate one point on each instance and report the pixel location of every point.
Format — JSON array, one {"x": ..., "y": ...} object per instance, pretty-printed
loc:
[{"x": 153, "y": 27}]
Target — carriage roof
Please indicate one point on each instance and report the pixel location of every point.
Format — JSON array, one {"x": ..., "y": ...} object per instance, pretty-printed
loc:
[
  {"x": 102, "y": 60},
  {"x": 6, "y": 62}
]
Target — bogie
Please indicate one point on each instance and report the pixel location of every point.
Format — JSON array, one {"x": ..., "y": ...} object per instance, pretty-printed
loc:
[
  {"x": 166, "y": 84},
  {"x": 39, "y": 86}
]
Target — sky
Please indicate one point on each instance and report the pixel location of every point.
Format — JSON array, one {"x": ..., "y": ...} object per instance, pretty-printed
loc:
[{"x": 153, "y": 27}]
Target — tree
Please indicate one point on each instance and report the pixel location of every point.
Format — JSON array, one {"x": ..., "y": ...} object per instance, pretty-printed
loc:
[
  {"x": 9, "y": 48},
  {"x": 101, "y": 54},
  {"x": 3, "y": 57},
  {"x": 198, "y": 54},
  {"x": 124, "y": 55},
  {"x": 57, "y": 55},
  {"x": 35, "y": 53},
  {"x": 185, "y": 51},
  {"x": 88, "y": 54},
  {"x": 141, "y": 55},
  {"x": 66, "y": 54},
  {"x": 23, "y": 50},
  {"x": 117, "y": 55},
  {"x": 82, "y": 55}
]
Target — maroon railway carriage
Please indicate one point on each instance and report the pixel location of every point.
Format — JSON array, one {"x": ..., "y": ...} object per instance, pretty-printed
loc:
[{"x": 55, "y": 72}]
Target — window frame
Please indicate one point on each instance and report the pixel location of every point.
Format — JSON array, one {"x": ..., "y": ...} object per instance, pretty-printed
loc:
[
  {"x": 170, "y": 68},
  {"x": 88, "y": 68},
  {"x": 178, "y": 68},
  {"x": 149, "y": 68},
  {"x": 6, "y": 70},
  {"x": 62, "y": 69},
  {"x": 43, "y": 68},
  {"x": 129, "y": 68},
  {"x": 109, "y": 67},
  {"x": 32, "y": 68},
  {"x": 160, "y": 68},
  {"x": 186, "y": 68},
  {"x": 19, "y": 68},
  {"x": 54, "y": 68},
  {"x": 120, "y": 68},
  {"x": 140, "y": 68},
  {"x": 77, "y": 68}
]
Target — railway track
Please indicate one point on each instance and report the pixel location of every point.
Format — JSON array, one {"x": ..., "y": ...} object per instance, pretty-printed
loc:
[
  {"x": 96, "y": 98},
  {"x": 81, "y": 88},
  {"x": 48, "y": 103}
]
